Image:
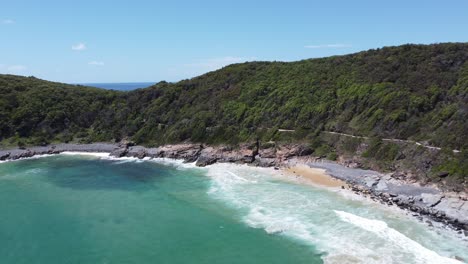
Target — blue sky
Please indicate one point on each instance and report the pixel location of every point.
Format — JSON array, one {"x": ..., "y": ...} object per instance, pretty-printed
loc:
[{"x": 138, "y": 41}]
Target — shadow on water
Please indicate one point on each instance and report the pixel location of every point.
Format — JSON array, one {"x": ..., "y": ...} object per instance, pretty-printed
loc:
[{"x": 83, "y": 173}]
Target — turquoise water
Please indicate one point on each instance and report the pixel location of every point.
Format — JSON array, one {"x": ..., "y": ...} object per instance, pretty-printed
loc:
[{"x": 85, "y": 209}]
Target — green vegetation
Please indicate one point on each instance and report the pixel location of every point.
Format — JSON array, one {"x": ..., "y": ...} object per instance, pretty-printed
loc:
[
  {"x": 454, "y": 165},
  {"x": 380, "y": 150},
  {"x": 417, "y": 92}
]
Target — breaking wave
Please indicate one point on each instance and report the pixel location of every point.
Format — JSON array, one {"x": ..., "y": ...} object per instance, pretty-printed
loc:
[{"x": 316, "y": 217}]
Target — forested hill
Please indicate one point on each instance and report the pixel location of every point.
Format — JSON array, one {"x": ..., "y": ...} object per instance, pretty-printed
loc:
[{"x": 417, "y": 92}]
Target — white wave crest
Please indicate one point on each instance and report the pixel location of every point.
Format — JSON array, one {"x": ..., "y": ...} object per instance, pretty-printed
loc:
[
  {"x": 397, "y": 239},
  {"x": 307, "y": 214},
  {"x": 176, "y": 163},
  {"x": 27, "y": 158},
  {"x": 94, "y": 154}
]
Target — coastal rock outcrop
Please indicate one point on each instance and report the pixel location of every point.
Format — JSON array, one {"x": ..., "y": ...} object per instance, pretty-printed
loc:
[
  {"x": 428, "y": 201},
  {"x": 243, "y": 154},
  {"x": 392, "y": 189},
  {"x": 186, "y": 152},
  {"x": 293, "y": 150},
  {"x": 136, "y": 152},
  {"x": 4, "y": 156},
  {"x": 119, "y": 152}
]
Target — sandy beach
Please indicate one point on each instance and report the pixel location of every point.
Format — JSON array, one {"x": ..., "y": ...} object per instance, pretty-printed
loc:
[{"x": 314, "y": 176}]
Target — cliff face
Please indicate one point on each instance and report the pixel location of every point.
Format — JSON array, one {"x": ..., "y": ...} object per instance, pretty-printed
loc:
[{"x": 413, "y": 93}]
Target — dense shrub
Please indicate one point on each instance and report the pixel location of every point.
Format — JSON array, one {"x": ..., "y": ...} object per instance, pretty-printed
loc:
[{"x": 417, "y": 92}]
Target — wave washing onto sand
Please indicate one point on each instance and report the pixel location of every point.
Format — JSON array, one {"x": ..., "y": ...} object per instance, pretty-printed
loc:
[
  {"x": 318, "y": 217},
  {"x": 381, "y": 229}
]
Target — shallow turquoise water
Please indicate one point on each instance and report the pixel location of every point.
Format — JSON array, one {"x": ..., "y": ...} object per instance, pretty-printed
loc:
[
  {"x": 83, "y": 209},
  {"x": 66, "y": 209}
]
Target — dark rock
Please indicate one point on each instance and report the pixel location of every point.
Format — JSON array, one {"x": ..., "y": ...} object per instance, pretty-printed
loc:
[
  {"x": 443, "y": 174},
  {"x": 4, "y": 156},
  {"x": 118, "y": 153},
  {"x": 190, "y": 158},
  {"x": 267, "y": 153},
  {"x": 141, "y": 154},
  {"x": 265, "y": 162},
  {"x": 385, "y": 195},
  {"x": 125, "y": 143},
  {"x": 427, "y": 164},
  {"x": 400, "y": 156},
  {"x": 187, "y": 152},
  {"x": 137, "y": 152},
  {"x": 154, "y": 153},
  {"x": 203, "y": 160},
  {"x": 248, "y": 159}
]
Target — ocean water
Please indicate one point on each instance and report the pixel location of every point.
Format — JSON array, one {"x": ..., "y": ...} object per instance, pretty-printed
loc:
[
  {"x": 120, "y": 86},
  {"x": 94, "y": 209}
]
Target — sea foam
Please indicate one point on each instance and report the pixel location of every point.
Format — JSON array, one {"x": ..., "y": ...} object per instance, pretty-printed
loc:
[
  {"x": 398, "y": 240},
  {"x": 316, "y": 217},
  {"x": 94, "y": 154}
]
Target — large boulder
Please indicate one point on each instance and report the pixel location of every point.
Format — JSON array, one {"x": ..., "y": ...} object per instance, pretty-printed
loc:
[
  {"x": 4, "y": 156},
  {"x": 187, "y": 152},
  {"x": 137, "y": 152},
  {"x": 294, "y": 150},
  {"x": 126, "y": 143},
  {"x": 205, "y": 160},
  {"x": 269, "y": 153},
  {"x": 265, "y": 162},
  {"x": 119, "y": 152}
]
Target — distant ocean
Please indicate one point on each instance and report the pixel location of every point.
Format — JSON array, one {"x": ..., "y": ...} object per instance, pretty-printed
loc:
[{"x": 120, "y": 86}]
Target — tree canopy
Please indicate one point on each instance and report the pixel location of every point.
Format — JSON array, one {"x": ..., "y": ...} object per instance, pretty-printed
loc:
[{"x": 417, "y": 92}]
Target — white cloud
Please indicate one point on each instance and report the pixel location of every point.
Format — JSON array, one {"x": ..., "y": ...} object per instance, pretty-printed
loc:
[
  {"x": 217, "y": 63},
  {"x": 8, "y": 21},
  {"x": 327, "y": 46},
  {"x": 96, "y": 63},
  {"x": 79, "y": 46}
]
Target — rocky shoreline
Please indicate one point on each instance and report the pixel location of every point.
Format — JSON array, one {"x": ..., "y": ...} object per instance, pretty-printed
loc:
[{"x": 429, "y": 202}]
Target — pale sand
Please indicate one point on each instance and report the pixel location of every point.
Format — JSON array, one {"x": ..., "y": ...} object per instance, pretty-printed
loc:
[{"x": 315, "y": 176}]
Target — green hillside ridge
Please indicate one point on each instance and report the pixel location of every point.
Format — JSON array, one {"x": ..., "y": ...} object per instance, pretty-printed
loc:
[{"x": 413, "y": 92}]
